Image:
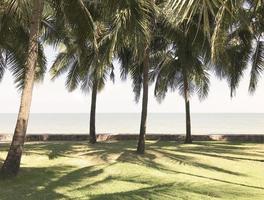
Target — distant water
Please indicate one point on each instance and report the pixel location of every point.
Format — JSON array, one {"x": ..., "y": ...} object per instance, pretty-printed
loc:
[{"x": 214, "y": 123}]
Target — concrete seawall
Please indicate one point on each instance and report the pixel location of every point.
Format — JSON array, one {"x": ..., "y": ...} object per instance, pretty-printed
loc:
[{"x": 164, "y": 137}]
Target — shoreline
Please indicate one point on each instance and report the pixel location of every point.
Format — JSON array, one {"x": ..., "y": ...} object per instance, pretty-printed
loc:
[{"x": 163, "y": 137}]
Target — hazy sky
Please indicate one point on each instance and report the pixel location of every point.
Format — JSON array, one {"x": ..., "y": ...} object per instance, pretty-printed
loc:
[{"x": 52, "y": 97}]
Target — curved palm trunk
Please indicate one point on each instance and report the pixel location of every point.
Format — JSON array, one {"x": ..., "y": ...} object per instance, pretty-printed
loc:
[
  {"x": 188, "y": 138},
  {"x": 93, "y": 113},
  {"x": 12, "y": 163},
  {"x": 144, "y": 112}
]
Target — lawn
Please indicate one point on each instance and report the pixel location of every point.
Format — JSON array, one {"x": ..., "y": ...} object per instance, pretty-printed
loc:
[{"x": 112, "y": 171}]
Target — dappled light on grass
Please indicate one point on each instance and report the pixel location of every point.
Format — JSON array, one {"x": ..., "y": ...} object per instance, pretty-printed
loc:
[{"x": 77, "y": 170}]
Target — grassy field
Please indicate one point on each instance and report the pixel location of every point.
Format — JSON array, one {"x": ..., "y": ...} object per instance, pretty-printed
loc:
[{"x": 112, "y": 171}]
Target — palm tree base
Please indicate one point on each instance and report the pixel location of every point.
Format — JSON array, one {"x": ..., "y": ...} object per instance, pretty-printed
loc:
[
  {"x": 11, "y": 166},
  {"x": 188, "y": 141},
  {"x": 141, "y": 146},
  {"x": 140, "y": 151},
  {"x": 6, "y": 174},
  {"x": 92, "y": 140}
]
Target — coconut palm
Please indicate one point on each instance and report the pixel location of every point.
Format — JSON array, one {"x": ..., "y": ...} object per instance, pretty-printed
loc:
[
  {"x": 30, "y": 14},
  {"x": 188, "y": 76},
  {"x": 13, "y": 42},
  {"x": 89, "y": 70},
  {"x": 133, "y": 25},
  {"x": 183, "y": 66},
  {"x": 235, "y": 29},
  {"x": 12, "y": 162},
  {"x": 237, "y": 44}
]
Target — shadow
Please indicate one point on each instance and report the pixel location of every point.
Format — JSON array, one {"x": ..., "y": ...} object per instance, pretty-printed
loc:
[
  {"x": 172, "y": 191},
  {"x": 213, "y": 149},
  {"x": 105, "y": 150},
  {"x": 220, "y": 180},
  {"x": 29, "y": 183},
  {"x": 152, "y": 192},
  {"x": 188, "y": 160},
  {"x": 167, "y": 170},
  {"x": 221, "y": 156},
  {"x": 52, "y": 149},
  {"x": 100, "y": 181},
  {"x": 161, "y": 167},
  {"x": 41, "y": 183}
]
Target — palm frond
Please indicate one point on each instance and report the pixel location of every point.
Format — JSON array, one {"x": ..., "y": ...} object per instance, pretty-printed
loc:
[
  {"x": 257, "y": 65},
  {"x": 61, "y": 64},
  {"x": 41, "y": 65},
  {"x": 73, "y": 77},
  {"x": 2, "y": 64}
]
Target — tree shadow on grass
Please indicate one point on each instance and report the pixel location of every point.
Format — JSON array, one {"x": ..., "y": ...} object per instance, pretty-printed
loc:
[
  {"x": 161, "y": 167},
  {"x": 222, "y": 156},
  {"x": 52, "y": 149},
  {"x": 235, "y": 151},
  {"x": 199, "y": 149},
  {"x": 151, "y": 192},
  {"x": 191, "y": 161},
  {"x": 148, "y": 159},
  {"x": 29, "y": 183},
  {"x": 42, "y": 183},
  {"x": 174, "y": 190},
  {"x": 69, "y": 149},
  {"x": 104, "y": 151}
]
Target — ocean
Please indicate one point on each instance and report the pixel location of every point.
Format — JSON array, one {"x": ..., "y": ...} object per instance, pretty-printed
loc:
[{"x": 127, "y": 123}]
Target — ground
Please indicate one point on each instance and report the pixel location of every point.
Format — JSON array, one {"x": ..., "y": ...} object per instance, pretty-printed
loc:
[{"x": 112, "y": 171}]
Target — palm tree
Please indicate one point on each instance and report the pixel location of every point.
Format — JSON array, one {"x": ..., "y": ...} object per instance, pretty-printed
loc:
[
  {"x": 242, "y": 46},
  {"x": 80, "y": 19},
  {"x": 135, "y": 69},
  {"x": 12, "y": 162},
  {"x": 13, "y": 42},
  {"x": 88, "y": 70},
  {"x": 183, "y": 66},
  {"x": 235, "y": 29},
  {"x": 133, "y": 25}
]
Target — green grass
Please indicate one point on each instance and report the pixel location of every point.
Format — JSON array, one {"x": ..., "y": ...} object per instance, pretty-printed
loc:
[{"x": 112, "y": 171}]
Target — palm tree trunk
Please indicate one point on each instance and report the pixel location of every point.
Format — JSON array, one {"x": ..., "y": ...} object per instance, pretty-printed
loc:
[
  {"x": 188, "y": 138},
  {"x": 93, "y": 113},
  {"x": 144, "y": 112},
  {"x": 12, "y": 163}
]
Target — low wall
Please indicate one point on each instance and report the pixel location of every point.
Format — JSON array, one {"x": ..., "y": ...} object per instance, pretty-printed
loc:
[{"x": 164, "y": 137}]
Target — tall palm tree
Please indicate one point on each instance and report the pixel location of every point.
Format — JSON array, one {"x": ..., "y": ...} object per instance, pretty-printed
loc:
[
  {"x": 30, "y": 14},
  {"x": 131, "y": 26},
  {"x": 13, "y": 42},
  {"x": 134, "y": 24},
  {"x": 183, "y": 67},
  {"x": 12, "y": 162},
  {"x": 242, "y": 45},
  {"x": 235, "y": 29},
  {"x": 89, "y": 70}
]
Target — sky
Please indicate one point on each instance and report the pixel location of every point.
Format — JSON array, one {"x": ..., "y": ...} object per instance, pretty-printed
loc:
[{"x": 52, "y": 97}]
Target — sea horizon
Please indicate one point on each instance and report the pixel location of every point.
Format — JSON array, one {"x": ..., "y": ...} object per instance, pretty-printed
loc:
[{"x": 128, "y": 123}]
